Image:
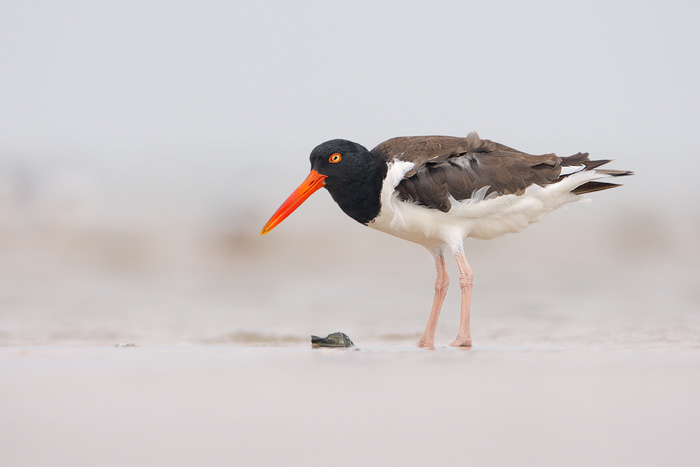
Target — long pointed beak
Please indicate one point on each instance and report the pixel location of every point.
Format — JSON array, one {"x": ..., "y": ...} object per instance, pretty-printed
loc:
[{"x": 312, "y": 183}]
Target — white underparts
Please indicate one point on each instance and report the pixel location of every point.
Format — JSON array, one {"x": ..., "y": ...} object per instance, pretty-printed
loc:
[{"x": 482, "y": 216}]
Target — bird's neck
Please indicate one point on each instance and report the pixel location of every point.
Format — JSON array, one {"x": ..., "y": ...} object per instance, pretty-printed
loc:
[{"x": 360, "y": 198}]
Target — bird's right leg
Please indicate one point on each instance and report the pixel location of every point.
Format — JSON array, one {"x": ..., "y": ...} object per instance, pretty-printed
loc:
[
  {"x": 441, "y": 284},
  {"x": 466, "y": 281}
]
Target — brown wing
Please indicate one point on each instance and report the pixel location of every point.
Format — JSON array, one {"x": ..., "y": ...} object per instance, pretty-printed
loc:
[{"x": 447, "y": 166}]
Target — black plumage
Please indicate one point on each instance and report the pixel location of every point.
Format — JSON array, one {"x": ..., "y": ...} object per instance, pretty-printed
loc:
[{"x": 452, "y": 167}]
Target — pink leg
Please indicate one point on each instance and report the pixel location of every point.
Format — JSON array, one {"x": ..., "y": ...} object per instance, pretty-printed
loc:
[
  {"x": 466, "y": 280},
  {"x": 441, "y": 285}
]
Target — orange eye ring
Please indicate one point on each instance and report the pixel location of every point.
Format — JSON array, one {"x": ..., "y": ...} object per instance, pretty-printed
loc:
[{"x": 335, "y": 158}]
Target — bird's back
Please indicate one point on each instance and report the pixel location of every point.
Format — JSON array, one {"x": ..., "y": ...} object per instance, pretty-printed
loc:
[{"x": 450, "y": 168}]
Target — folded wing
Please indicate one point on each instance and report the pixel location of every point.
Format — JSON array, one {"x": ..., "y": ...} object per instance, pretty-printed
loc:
[{"x": 448, "y": 167}]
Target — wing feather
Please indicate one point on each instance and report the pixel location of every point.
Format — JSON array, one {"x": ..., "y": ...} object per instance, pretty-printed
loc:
[{"x": 451, "y": 167}]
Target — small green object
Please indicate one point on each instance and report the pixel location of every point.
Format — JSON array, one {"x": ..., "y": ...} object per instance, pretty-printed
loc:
[{"x": 337, "y": 339}]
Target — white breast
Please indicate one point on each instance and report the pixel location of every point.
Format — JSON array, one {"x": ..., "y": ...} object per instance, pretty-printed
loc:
[{"x": 478, "y": 217}]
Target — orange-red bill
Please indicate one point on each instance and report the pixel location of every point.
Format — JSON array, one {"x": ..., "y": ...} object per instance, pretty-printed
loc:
[{"x": 312, "y": 183}]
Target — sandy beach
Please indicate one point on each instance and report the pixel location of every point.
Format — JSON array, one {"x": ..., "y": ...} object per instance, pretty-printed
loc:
[
  {"x": 144, "y": 321},
  {"x": 577, "y": 366},
  {"x": 378, "y": 405}
]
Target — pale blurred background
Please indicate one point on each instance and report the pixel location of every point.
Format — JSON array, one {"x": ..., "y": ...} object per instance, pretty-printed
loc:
[{"x": 144, "y": 144}]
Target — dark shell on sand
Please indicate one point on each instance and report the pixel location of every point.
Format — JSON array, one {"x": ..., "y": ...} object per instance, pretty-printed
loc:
[{"x": 337, "y": 339}]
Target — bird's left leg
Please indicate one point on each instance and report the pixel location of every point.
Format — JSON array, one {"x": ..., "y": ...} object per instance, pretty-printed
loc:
[
  {"x": 441, "y": 284},
  {"x": 466, "y": 280}
]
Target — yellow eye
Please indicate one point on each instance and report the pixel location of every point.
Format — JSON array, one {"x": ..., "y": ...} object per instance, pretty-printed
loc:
[{"x": 335, "y": 158}]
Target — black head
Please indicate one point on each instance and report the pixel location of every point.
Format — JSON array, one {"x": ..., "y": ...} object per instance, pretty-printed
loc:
[
  {"x": 342, "y": 162},
  {"x": 352, "y": 175}
]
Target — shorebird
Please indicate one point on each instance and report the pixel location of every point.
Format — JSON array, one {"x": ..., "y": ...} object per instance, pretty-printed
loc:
[{"x": 439, "y": 190}]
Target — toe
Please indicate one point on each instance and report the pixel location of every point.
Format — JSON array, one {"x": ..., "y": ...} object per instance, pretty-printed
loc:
[{"x": 461, "y": 342}]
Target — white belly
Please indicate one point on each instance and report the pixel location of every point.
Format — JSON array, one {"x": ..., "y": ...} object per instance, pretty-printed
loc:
[{"x": 474, "y": 218}]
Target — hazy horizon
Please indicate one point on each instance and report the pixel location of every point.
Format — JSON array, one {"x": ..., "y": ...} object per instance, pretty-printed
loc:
[{"x": 197, "y": 114}]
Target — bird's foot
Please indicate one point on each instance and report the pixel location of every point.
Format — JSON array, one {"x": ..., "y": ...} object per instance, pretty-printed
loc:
[
  {"x": 462, "y": 342},
  {"x": 426, "y": 344}
]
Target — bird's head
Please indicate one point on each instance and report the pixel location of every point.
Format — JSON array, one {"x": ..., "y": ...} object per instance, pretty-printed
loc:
[{"x": 337, "y": 164}]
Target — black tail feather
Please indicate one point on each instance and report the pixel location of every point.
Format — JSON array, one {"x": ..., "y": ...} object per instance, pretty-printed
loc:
[{"x": 590, "y": 187}]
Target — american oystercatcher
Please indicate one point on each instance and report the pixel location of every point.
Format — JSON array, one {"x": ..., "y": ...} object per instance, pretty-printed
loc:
[{"x": 439, "y": 190}]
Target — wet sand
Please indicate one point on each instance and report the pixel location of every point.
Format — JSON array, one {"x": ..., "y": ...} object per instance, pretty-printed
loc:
[
  {"x": 586, "y": 350},
  {"x": 378, "y": 405}
]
